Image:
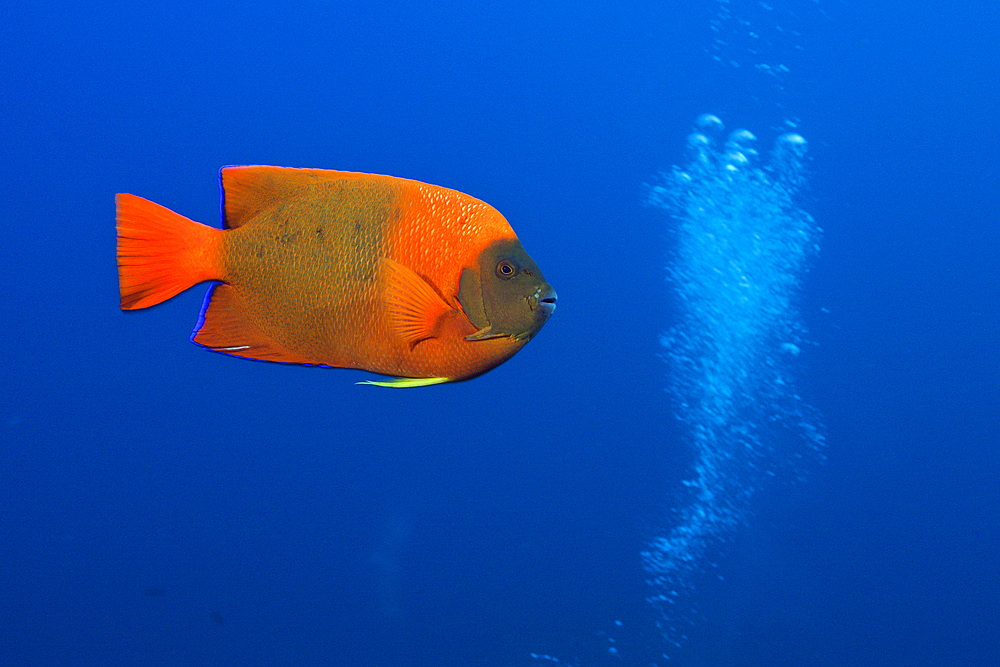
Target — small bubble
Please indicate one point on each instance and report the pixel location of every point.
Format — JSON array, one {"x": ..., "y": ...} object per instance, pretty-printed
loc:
[
  {"x": 736, "y": 159},
  {"x": 742, "y": 136},
  {"x": 710, "y": 122},
  {"x": 698, "y": 140}
]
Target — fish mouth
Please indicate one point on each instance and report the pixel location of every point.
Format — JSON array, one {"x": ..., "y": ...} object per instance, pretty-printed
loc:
[{"x": 543, "y": 301}]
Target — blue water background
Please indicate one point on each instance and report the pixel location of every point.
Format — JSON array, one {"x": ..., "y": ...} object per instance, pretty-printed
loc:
[{"x": 160, "y": 505}]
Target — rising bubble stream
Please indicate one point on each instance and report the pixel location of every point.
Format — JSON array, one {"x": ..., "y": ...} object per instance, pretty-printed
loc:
[{"x": 740, "y": 248}]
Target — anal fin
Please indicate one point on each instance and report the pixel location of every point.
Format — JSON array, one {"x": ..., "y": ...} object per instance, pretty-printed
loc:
[{"x": 225, "y": 326}]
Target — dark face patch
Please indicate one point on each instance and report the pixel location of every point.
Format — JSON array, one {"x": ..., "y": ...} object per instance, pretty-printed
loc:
[{"x": 506, "y": 294}]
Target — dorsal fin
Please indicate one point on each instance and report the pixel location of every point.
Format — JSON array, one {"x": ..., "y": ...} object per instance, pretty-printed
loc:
[{"x": 246, "y": 191}]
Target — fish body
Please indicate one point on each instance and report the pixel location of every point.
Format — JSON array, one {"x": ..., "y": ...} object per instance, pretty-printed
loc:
[{"x": 342, "y": 269}]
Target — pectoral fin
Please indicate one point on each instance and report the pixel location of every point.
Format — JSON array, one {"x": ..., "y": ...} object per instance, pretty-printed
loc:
[{"x": 415, "y": 309}]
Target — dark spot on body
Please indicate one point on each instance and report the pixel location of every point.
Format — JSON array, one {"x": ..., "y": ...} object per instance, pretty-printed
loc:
[{"x": 288, "y": 239}]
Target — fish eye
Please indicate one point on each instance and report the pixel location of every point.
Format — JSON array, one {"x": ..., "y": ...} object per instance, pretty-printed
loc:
[{"x": 507, "y": 268}]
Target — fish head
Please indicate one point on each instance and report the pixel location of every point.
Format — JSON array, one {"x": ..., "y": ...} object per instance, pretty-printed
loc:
[{"x": 504, "y": 294}]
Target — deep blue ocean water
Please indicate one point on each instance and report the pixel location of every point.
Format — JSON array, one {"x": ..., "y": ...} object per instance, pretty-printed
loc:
[{"x": 160, "y": 505}]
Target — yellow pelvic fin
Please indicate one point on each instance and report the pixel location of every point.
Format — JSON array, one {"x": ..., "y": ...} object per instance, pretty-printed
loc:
[{"x": 400, "y": 383}]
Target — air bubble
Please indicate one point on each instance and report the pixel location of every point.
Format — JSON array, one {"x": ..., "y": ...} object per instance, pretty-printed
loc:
[
  {"x": 710, "y": 122},
  {"x": 698, "y": 140},
  {"x": 742, "y": 136},
  {"x": 793, "y": 139},
  {"x": 736, "y": 159}
]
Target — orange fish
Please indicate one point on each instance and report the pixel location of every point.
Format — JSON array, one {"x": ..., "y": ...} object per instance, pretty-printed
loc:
[{"x": 341, "y": 269}]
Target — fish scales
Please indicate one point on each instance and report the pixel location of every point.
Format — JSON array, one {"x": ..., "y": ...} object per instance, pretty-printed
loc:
[{"x": 306, "y": 268}]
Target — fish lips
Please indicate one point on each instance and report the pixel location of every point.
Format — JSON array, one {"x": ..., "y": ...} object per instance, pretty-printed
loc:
[{"x": 543, "y": 301}]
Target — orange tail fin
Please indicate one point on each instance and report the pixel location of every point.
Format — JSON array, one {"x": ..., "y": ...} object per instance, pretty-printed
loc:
[{"x": 161, "y": 253}]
